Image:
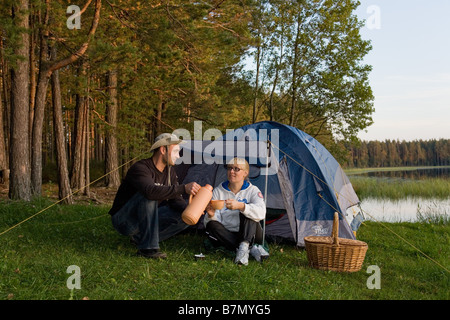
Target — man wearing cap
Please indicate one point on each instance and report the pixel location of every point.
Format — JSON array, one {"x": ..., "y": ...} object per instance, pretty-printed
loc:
[{"x": 149, "y": 201}]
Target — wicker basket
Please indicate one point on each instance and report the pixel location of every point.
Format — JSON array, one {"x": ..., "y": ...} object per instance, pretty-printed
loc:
[{"x": 334, "y": 253}]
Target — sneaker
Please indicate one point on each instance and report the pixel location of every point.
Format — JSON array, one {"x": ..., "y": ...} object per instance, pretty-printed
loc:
[
  {"x": 213, "y": 247},
  {"x": 242, "y": 254},
  {"x": 151, "y": 253},
  {"x": 259, "y": 253}
]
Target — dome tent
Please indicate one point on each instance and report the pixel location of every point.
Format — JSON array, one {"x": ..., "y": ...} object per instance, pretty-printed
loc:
[{"x": 301, "y": 181}]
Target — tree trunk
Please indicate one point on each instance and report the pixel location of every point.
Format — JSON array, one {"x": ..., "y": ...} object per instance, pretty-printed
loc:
[
  {"x": 36, "y": 139},
  {"x": 39, "y": 108},
  {"x": 77, "y": 176},
  {"x": 45, "y": 73},
  {"x": 61, "y": 158},
  {"x": 125, "y": 157},
  {"x": 80, "y": 166},
  {"x": 255, "y": 98},
  {"x": 294, "y": 74},
  {"x": 5, "y": 93},
  {"x": 275, "y": 80},
  {"x": 86, "y": 130},
  {"x": 159, "y": 113},
  {"x": 33, "y": 70},
  {"x": 111, "y": 158},
  {"x": 4, "y": 173},
  {"x": 19, "y": 183}
]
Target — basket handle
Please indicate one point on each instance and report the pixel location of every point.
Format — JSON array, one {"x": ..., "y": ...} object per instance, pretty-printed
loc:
[{"x": 335, "y": 232}]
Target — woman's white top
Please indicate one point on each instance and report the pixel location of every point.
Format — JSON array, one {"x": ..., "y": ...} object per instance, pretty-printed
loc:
[{"x": 255, "y": 207}]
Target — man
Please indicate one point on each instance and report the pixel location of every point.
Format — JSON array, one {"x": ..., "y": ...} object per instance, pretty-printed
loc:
[{"x": 149, "y": 202}]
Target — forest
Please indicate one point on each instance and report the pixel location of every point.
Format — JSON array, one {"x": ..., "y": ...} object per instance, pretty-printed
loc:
[
  {"x": 395, "y": 153},
  {"x": 99, "y": 80}
]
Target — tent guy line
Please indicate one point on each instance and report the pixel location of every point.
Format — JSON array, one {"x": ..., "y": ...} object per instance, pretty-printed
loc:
[
  {"x": 269, "y": 143},
  {"x": 380, "y": 222},
  {"x": 74, "y": 192},
  {"x": 318, "y": 178}
]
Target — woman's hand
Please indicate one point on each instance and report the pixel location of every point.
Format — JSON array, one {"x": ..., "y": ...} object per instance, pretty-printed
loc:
[{"x": 232, "y": 204}]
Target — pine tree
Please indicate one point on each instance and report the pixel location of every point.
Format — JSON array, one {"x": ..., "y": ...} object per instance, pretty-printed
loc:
[{"x": 19, "y": 160}]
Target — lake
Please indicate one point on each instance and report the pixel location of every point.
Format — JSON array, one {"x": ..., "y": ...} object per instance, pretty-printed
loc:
[
  {"x": 418, "y": 173},
  {"x": 407, "y": 208},
  {"x": 403, "y": 210}
]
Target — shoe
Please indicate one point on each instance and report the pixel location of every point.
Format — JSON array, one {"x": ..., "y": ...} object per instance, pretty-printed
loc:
[
  {"x": 151, "y": 253},
  {"x": 259, "y": 253},
  {"x": 242, "y": 254},
  {"x": 211, "y": 247}
]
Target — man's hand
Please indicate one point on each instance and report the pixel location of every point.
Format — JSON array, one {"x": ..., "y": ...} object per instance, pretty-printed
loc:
[
  {"x": 209, "y": 209},
  {"x": 192, "y": 188}
]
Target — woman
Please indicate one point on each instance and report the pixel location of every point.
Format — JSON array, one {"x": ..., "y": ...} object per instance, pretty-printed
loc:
[{"x": 237, "y": 224}]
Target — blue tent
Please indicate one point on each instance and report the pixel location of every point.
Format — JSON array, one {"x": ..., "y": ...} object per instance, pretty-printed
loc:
[{"x": 302, "y": 183}]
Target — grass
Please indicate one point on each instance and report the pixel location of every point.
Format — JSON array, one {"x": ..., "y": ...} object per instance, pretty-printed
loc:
[
  {"x": 434, "y": 212},
  {"x": 35, "y": 255},
  {"x": 396, "y": 188}
]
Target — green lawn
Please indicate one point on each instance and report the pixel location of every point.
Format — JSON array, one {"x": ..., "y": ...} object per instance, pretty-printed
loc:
[{"x": 35, "y": 255}]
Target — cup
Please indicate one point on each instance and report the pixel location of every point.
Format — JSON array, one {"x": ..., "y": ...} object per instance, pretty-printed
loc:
[{"x": 217, "y": 204}]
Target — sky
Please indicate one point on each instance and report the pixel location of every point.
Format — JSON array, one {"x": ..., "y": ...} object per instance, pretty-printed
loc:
[{"x": 410, "y": 79}]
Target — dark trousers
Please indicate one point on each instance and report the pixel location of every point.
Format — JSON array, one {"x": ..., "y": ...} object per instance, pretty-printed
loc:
[
  {"x": 147, "y": 223},
  {"x": 249, "y": 230}
]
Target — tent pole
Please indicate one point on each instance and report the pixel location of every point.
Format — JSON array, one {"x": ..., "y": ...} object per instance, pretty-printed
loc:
[{"x": 265, "y": 189}]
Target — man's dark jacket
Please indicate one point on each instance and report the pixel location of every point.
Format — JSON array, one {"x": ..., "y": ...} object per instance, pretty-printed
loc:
[{"x": 145, "y": 178}]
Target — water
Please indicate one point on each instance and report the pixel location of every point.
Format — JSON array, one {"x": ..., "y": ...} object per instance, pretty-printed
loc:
[
  {"x": 414, "y": 174},
  {"x": 408, "y": 209},
  {"x": 403, "y": 210}
]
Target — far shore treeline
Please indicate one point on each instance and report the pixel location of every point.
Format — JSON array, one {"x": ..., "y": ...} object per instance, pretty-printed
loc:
[{"x": 395, "y": 153}]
